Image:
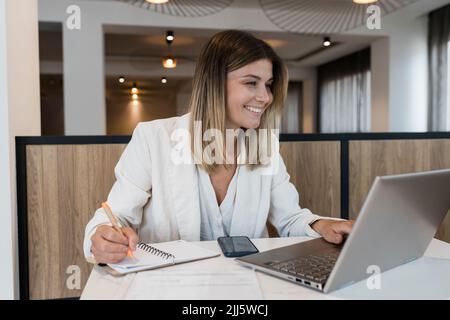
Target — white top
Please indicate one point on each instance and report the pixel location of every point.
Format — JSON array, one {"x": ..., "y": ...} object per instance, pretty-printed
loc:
[{"x": 216, "y": 220}]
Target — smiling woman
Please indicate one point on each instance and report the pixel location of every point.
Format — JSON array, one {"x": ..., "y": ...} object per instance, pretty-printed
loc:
[{"x": 239, "y": 85}]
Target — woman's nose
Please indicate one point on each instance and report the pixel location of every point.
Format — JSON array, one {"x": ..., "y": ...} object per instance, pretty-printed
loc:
[{"x": 263, "y": 95}]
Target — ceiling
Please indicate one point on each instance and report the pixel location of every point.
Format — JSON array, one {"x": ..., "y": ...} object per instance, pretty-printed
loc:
[
  {"x": 301, "y": 16},
  {"x": 146, "y": 86},
  {"x": 305, "y": 23},
  {"x": 183, "y": 8},
  {"x": 149, "y": 43},
  {"x": 323, "y": 16}
]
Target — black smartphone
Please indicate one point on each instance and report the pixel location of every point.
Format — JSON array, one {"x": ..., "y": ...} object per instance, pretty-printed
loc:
[{"x": 236, "y": 246}]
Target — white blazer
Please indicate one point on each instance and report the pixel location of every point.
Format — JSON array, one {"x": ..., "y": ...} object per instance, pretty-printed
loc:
[{"x": 160, "y": 198}]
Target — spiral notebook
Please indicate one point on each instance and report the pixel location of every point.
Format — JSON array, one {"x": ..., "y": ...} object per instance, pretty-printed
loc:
[{"x": 160, "y": 255}]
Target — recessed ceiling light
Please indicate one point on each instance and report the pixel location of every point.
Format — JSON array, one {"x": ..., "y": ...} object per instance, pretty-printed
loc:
[
  {"x": 134, "y": 89},
  {"x": 164, "y": 80},
  {"x": 326, "y": 41},
  {"x": 169, "y": 36},
  {"x": 121, "y": 79},
  {"x": 169, "y": 62}
]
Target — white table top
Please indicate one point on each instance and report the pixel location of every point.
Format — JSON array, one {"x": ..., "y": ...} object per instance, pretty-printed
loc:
[{"x": 425, "y": 278}]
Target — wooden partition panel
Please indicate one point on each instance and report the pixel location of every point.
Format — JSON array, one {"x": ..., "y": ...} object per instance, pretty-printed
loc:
[
  {"x": 369, "y": 159},
  {"x": 65, "y": 185},
  {"x": 314, "y": 167}
]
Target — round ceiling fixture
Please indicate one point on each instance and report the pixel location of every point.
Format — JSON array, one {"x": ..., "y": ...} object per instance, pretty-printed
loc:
[
  {"x": 183, "y": 8},
  {"x": 323, "y": 17},
  {"x": 157, "y": 1},
  {"x": 364, "y": 1}
]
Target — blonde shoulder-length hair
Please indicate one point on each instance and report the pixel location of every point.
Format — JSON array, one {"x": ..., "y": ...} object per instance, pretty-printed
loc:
[{"x": 227, "y": 51}]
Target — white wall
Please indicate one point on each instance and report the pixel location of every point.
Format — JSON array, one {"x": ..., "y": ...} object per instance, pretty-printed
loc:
[
  {"x": 19, "y": 116},
  {"x": 399, "y": 79},
  {"x": 408, "y": 77},
  {"x": 83, "y": 78}
]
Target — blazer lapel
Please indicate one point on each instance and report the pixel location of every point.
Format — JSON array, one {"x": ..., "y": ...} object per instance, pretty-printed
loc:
[{"x": 184, "y": 186}]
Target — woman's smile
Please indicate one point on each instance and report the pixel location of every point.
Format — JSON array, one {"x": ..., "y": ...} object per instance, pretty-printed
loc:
[{"x": 254, "y": 112}]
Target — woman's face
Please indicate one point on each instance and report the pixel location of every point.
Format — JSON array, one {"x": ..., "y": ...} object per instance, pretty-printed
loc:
[{"x": 248, "y": 94}]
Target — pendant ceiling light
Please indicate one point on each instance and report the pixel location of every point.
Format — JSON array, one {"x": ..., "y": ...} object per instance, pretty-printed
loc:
[{"x": 169, "y": 62}]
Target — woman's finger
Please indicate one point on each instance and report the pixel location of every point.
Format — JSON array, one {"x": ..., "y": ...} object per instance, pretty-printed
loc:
[
  {"x": 111, "y": 234},
  {"x": 106, "y": 246},
  {"x": 132, "y": 237},
  {"x": 105, "y": 257},
  {"x": 344, "y": 227},
  {"x": 333, "y": 237}
]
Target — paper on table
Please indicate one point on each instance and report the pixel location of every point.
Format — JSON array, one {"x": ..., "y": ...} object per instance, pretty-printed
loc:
[{"x": 214, "y": 283}]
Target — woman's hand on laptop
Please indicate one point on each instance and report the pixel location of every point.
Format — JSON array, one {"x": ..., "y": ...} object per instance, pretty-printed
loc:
[{"x": 331, "y": 230}]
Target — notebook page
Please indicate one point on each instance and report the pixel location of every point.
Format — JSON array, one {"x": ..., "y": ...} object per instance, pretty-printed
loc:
[
  {"x": 185, "y": 251},
  {"x": 141, "y": 259}
]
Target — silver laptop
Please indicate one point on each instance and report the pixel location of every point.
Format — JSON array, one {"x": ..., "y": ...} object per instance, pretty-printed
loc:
[{"x": 397, "y": 222}]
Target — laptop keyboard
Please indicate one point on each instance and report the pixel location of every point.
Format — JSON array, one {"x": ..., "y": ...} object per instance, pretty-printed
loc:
[{"x": 313, "y": 267}]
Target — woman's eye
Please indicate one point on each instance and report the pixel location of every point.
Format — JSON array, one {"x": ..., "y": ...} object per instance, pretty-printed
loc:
[{"x": 253, "y": 83}]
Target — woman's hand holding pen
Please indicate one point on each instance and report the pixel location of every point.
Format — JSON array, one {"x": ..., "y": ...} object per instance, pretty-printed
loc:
[{"x": 109, "y": 246}]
